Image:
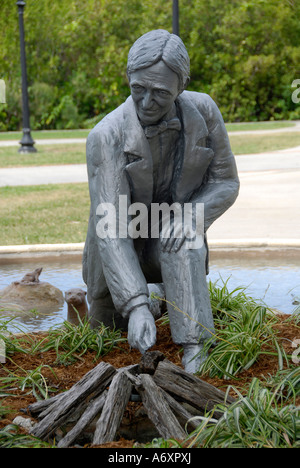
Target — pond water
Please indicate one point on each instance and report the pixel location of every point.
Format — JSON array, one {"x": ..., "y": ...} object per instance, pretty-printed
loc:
[{"x": 275, "y": 281}]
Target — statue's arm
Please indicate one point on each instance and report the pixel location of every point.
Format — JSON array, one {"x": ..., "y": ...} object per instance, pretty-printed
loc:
[
  {"x": 222, "y": 183},
  {"x": 119, "y": 259}
]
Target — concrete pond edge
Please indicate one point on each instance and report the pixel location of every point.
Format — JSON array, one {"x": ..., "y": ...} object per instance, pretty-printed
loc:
[{"x": 17, "y": 253}]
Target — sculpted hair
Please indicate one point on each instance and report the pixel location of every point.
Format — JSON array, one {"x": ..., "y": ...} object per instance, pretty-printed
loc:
[{"x": 160, "y": 45}]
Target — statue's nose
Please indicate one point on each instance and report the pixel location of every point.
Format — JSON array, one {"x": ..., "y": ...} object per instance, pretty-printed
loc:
[{"x": 147, "y": 100}]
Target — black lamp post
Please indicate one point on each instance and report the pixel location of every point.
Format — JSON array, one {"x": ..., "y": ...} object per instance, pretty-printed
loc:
[
  {"x": 27, "y": 143},
  {"x": 175, "y": 17}
]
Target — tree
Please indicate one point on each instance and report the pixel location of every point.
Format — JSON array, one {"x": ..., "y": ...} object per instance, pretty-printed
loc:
[{"x": 244, "y": 53}]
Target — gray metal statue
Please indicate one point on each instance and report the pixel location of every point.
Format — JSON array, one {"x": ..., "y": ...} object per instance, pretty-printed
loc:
[{"x": 164, "y": 147}]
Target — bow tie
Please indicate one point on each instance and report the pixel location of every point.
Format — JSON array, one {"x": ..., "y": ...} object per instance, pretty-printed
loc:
[{"x": 154, "y": 130}]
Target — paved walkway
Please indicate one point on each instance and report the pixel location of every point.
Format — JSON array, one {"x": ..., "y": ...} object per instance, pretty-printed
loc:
[
  {"x": 266, "y": 211},
  {"x": 39, "y": 175},
  {"x": 295, "y": 128},
  {"x": 285, "y": 160}
]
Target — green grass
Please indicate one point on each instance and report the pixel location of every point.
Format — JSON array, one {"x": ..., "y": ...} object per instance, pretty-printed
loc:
[
  {"x": 45, "y": 214},
  {"x": 46, "y": 134},
  {"x": 245, "y": 126},
  {"x": 252, "y": 144},
  {"x": 45, "y": 155}
]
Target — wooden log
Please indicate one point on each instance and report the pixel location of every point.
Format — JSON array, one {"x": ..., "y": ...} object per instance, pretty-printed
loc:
[
  {"x": 93, "y": 409},
  {"x": 39, "y": 406},
  {"x": 39, "y": 409},
  {"x": 149, "y": 361},
  {"x": 180, "y": 411},
  {"x": 158, "y": 409},
  {"x": 94, "y": 382},
  {"x": 113, "y": 410},
  {"x": 189, "y": 388}
]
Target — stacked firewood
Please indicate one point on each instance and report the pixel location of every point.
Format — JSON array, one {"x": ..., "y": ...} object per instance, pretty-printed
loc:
[{"x": 164, "y": 389}]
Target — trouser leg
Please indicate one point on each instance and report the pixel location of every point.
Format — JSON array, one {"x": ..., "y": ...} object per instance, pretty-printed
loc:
[
  {"x": 184, "y": 278},
  {"x": 103, "y": 311}
]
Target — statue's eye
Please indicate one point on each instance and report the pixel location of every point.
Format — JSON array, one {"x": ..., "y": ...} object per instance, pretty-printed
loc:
[
  {"x": 137, "y": 88},
  {"x": 162, "y": 92}
]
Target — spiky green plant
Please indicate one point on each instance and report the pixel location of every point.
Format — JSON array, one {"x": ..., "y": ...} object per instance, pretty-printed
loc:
[
  {"x": 31, "y": 380},
  {"x": 10, "y": 437},
  {"x": 244, "y": 330},
  {"x": 162, "y": 443},
  {"x": 286, "y": 383},
  {"x": 256, "y": 420},
  {"x": 241, "y": 340},
  {"x": 4, "y": 410},
  {"x": 73, "y": 341},
  {"x": 14, "y": 337}
]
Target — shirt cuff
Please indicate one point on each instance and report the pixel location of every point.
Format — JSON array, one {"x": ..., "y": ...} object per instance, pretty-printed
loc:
[{"x": 134, "y": 303}]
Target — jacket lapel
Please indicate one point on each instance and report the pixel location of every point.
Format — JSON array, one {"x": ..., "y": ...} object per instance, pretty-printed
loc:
[
  {"x": 139, "y": 165},
  {"x": 197, "y": 156}
]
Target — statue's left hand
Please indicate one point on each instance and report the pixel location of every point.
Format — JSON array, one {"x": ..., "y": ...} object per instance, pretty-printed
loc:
[
  {"x": 172, "y": 237},
  {"x": 172, "y": 244}
]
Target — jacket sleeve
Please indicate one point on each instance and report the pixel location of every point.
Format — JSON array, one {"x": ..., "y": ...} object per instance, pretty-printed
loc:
[
  {"x": 107, "y": 181},
  {"x": 221, "y": 185}
]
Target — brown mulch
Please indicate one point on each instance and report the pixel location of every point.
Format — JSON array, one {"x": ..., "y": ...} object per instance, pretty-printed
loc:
[{"x": 66, "y": 376}]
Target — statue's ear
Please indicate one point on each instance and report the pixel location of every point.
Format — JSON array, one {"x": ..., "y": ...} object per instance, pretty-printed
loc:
[
  {"x": 187, "y": 82},
  {"x": 185, "y": 85}
]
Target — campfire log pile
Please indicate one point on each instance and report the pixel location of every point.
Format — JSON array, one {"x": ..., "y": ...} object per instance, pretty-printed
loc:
[{"x": 104, "y": 392}]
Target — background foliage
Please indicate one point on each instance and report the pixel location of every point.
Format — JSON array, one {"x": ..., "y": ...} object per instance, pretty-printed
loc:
[{"x": 244, "y": 53}]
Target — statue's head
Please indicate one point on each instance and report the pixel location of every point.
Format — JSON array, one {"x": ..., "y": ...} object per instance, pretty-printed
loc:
[{"x": 158, "y": 70}]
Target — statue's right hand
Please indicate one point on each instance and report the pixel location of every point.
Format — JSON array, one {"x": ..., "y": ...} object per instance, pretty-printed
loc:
[{"x": 141, "y": 329}]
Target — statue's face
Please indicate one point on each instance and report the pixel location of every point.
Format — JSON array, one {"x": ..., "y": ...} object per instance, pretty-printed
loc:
[{"x": 154, "y": 90}]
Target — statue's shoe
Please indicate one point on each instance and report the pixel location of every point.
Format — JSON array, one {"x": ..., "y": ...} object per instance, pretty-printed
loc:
[{"x": 193, "y": 357}]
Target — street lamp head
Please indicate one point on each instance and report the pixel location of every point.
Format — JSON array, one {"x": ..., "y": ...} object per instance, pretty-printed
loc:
[{"x": 20, "y": 3}]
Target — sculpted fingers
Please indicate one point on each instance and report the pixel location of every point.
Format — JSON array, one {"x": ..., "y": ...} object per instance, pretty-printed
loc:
[
  {"x": 141, "y": 330},
  {"x": 149, "y": 335}
]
